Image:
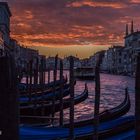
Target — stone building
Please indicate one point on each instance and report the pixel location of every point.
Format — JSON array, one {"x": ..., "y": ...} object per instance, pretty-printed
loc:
[
  {"x": 5, "y": 15},
  {"x": 50, "y": 63},
  {"x": 132, "y": 48},
  {"x": 22, "y": 55},
  {"x": 15, "y": 51},
  {"x": 85, "y": 62},
  {"x": 112, "y": 60},
  {"x": 29, "y": 55},
  {"x": 66, "y": 63},
  {"x": 122, "y": 60},
  {"x": 10, "y": 46}
]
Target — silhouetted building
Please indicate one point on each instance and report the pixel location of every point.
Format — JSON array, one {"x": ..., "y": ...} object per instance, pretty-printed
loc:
[
  {"x": 5, "y": 15},
  {"x": 1, "y": 44}
]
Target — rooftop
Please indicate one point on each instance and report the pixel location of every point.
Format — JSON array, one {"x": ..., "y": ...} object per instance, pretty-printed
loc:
[{"x": 134, "y": 33}]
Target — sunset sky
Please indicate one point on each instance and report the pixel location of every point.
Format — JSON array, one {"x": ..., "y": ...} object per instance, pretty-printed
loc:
[{"x": 66, "y": 27}]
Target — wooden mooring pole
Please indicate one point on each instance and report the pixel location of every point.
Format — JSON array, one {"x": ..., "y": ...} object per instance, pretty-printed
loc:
[
  {"x": 137, "y": 99},
  {"x": 42, "y": 86},
  {"x": 54, "y": 88},
  {"x": 44, "y": 69},
  {"x": 71, "y": 129},
  {"x": 36, "y": 83},
  {"x": 36, "y": 71},
  {"x": 30, "y": 76},
  {"x": 9, "y": 114},
  {"x": 97, "y": 98},
  {"x": 61, "y": 94}
]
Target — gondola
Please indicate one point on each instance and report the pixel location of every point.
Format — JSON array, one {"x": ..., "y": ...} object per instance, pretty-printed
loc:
[
  {"x": 47, "y": 91},
  {"x": 124, "y": 124},
  {"x": 22, "y": 86},
  {"x": 29, "y": 110},
  {"x": 125, "y": 135},
  {"x": 45, "y": 96},
  {"x": 107, "y": 115},
  {"x": 106, "y": 130}
]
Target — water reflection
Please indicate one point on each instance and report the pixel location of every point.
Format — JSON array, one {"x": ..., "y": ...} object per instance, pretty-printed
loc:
[{"x": 112, "y": 94}]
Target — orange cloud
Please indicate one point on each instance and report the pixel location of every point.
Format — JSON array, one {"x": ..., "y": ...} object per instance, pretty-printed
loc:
[
  {"x": 91, "y": 3},
  {"x": 77, "y": 22},
  {"x": 135, "y": 1}
]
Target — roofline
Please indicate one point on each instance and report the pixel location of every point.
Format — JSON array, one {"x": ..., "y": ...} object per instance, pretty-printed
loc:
[{"x": 137, "y": 32}]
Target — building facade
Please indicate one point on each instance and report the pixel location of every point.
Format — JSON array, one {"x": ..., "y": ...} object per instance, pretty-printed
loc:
[
  {"x": 122, "y": 60},
  {"x": 66, "y": 62},
  {"x": 132, "y": 48},
  {"x": 112, "y": 60}
]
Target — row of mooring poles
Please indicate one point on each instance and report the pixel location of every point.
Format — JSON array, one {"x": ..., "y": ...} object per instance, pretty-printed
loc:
[
  {"x": 71, "y": 77},
  {"x": 9, "y": 112},
  {"x": 137, "y": 99}
]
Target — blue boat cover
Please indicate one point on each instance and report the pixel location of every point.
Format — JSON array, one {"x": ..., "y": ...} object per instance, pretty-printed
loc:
[
  {"x": 129, "y": 135},
  {"x": 53, "y": 133}
]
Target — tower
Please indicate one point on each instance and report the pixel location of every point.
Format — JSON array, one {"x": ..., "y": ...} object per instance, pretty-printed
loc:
[
  {"x": 126, "y": 32},
  {"x": 132, "y": 27}
]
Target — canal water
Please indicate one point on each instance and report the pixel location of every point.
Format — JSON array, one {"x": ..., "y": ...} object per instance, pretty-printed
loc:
[{"x": 112, "y": 94}]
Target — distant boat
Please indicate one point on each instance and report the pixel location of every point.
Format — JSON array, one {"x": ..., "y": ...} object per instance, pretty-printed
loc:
[
  {"x": 38, "y": 87},
  {"x": 85, "y": 73}
]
